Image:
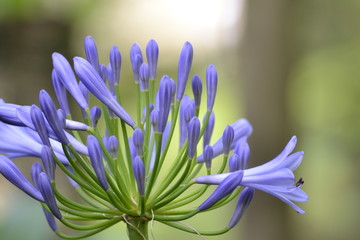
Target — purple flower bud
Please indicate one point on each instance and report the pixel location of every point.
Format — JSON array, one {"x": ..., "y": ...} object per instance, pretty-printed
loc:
[
  {"x": 187, "y": 111},
  {"x": 50, "y": 219},
  {"x": 8, "y": 114},
  {"x": 242, "y": 149},
  {"x": 138, "y": 139},
  {"x": 211, "y": 86},
  {"x": 95, "y": 113},
  {"x": 173, "y": 90},
  {"x": 164, "y": 102},
  {"x": 208, "y": 156},
  {"x": 227, "y": 139},
  {"x": 209, "y": 129},
  {"x": 67, "y": 77},
  {"x": 152, "y": 55},
  {"x": 84, "y": 91},
  {"x": 48, "y": 162},
  {"x": 96, "y": 85},
  {"x": 104, "y": 72},
  {"x": 139, "y": 174},
  {"x": 111, "y": 80},
  {"x": 185, "y": 62},
  {"x": 12, "y": 173},
  {"x": 197, "y": 89},
  {"x": 144, "y": 112},
  {"x": 60, "y": 92},
  {"x": 95, "y": 155},
  {"x": 144, "y": 76},
  {"x": 61, "y": 117},
  {"x": 242, "y": 128},
  {"x": 234, "y": 163},
  {"x": 52, "y": 117},
  {"x": 193, "y": 136},
  {"x": 36, "y": 169},
  {"x": 243, "y": 203},
  {"x": 113, "y": 146},
  {"x": 91, "y": 52},
  {"x": 154, "y": 118},
  {"x": 226, "y": 187},
  {"x": 136, "y": 60},
  {"x": 39, "y": 124},
  {"x": 48, "y": 194},
  {"x": 115, "y": 62}
]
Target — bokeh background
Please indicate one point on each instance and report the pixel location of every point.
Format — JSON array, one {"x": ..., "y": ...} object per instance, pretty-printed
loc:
[{"x": 290, "y": 67}]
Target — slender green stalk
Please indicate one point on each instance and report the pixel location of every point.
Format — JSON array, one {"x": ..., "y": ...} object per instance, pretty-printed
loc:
[{"x": 137, "y": 228}]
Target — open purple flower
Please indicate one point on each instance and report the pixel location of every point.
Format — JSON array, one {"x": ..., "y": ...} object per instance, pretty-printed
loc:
[{"x": 274, "y": 177}]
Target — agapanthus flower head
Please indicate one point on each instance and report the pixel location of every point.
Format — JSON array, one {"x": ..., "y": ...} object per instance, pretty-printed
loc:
[{"x": 120, "y": 164}]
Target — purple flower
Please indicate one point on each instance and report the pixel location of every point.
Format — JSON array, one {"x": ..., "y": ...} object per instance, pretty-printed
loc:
[
  {"x": 48, "y": 162},
  {"x": 49, "y": 110},
  {"x": 274, "y": 177},
  {"x": 187, "y": 111},
  {"x": 67, "y": 77},
  {"x": 138, "y": 140},
  {"x": 113, "y": 145},
  {"x": 50, "y": 219},
  {"x": 208, "y": 156},
  {"x": 165, "y": 95},
  {"x": 185, "y": 62},
  {"x": 209, "y": 129},
  {"x": 95, "y": 114},
  {"x": 60, "y": 92},
  {"x": 95, "y": 155},
  {"x": 139, "y": 173},
  {"x": 242, "y": 128},
  {"x": 115, "y": 63},
  {"x": 234, "y": 163},
  {"x": 39, "y": 124},
  {"x": 35, "y": 171},
  {"x": 211, "y": 86},
  {"x": 152, "y": 55},
  {"x": 197, "y": 89},
  {"x": 24, "y": 142},
  {"x": 12, "y": 173},
  {"x": 96, "y": 85},
  {"x": 144, "y": 77},
  {"x": 242, "y": 149},
  {"x": 48, "y": 194},
  {"x": 226, "y": 187},
  {"x": 227, "y": 139},
  {"x": 193, "y": 136},
  {"x": 136, "y": 60},
  {"x": 91, "y": 52},
  {"x": 243, "y": 203}
]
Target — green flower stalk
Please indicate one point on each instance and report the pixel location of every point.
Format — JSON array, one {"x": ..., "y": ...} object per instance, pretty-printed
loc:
[{"x": 133, "y": 171}]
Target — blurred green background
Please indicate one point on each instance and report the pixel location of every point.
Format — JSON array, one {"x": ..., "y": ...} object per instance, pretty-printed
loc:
[{"x": 290, "y": 67}]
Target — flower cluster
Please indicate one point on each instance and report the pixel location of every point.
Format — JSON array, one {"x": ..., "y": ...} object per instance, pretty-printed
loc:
[{"x": 116, "y": 163}]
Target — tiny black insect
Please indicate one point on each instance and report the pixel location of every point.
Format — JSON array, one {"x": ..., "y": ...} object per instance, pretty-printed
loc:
[{"x": 299, "y": 183}]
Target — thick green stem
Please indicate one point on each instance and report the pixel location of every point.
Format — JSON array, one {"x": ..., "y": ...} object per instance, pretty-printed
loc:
[{"x": 137, "y": 229}]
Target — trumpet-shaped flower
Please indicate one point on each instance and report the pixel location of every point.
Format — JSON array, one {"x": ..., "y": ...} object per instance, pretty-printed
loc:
[{"x": 274, "y": 177}]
